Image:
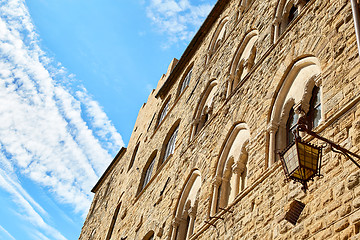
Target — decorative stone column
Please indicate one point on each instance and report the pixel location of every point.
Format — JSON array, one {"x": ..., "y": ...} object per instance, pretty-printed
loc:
[
  {"x": 192, "y": 215},
  {"x": 272, "y": 129},
  {"x": 276, "y": 24},
  {"x": 238, "y": 168},
  {"x": 216, "y": 184},
  {"x": 175, "y": 225}
]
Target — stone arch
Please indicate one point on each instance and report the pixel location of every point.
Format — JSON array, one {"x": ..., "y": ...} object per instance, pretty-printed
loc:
[
  {"x": 294, "y": 91},
  {"x": 186, "y": 207},
  {"x": 218, "y": 37},
  {"x": 231, "y": 169},
  {"x": 243, "y": 60},
  {"x": 204, "y": 108}
]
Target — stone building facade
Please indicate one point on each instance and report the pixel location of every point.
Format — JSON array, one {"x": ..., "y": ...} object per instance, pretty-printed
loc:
[{"x": 202, "y": 160}]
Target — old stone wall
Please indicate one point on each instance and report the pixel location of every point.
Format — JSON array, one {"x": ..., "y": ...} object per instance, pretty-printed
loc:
[{"x": 323, "y": 30}]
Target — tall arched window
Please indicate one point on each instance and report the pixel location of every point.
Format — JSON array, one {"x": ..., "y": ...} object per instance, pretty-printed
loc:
[
  {"x": 164, "y": 111},
  {"x": 243, "y": 61},
  {"x": 133, "y": 156},
  {"x": 231, "y": 171},
  {"x": 170, "y": 146},
  {"x": 147, "y": 172},
  {"x": 169, "y": 143},
  {"x": 218, "y": 37},
  {"x": 185, "y": 82},
  {"x": 204, "y": 109},
  {"x": 296, "y": 93},
  {"x": 186, "y": 209},
  {"x": 286, "y": 12}
]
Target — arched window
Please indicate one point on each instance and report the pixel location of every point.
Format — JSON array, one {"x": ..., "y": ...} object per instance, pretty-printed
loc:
[
  {"x": 314, "y": 114},
  {"x": 185, "y": 82},
  {"x": 243, "y": 61},
  {"x": 170, "y": 146},
  {"x": 231, "y": 171},
  {"x": 133, "y": 156},
  {"x": 147, "y": 172},
  {"x": 186, "y": 209},
  {"x": 169, "y": 143},
  {"x": 204, "y": 109},
  {"x": 218, "y": 37},
  {"x": 164, "y": 111},
  {"x": 296, "y": 93},
  {"x": 286, "y": 12},
  {"x": 113, "y": 222}
]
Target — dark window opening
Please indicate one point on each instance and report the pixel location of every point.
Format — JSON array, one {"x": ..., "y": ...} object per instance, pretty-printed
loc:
[
  {"x": 148, "y": 173},
  {"x": 133, "y": 157},
  {"x": 164, "y": 112},
  {"x": 186, "y": 81},
  {"x": 290, "y": 126},
  {"x": 293, "y": 14},
  {"x": 170, "y": 146},
  {"x": 314, "y": 114}
]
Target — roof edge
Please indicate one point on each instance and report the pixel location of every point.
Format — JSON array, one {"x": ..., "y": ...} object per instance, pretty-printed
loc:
[{"x": 109, "y": 168}]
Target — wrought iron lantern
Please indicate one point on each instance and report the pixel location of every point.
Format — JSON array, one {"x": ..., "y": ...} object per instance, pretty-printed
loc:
[{"x": 301, "y": 161}]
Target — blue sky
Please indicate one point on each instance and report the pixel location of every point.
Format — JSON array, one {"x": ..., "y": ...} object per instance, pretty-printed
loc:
[{"x": 73, "y": 75}]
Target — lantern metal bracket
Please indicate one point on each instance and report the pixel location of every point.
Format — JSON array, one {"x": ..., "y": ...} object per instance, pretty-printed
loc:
[{"x": 302, "y": 127}]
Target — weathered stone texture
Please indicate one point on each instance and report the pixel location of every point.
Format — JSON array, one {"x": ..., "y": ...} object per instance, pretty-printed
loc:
[{"x": 324, "y": 30}]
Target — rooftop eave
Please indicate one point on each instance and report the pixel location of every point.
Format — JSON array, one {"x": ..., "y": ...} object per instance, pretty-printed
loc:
[
  {"x": 192, "y": 47},
  {"x": 109, "y": 169}
]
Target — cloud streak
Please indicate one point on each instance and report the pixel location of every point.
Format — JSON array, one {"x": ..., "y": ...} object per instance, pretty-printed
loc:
[
  {"x": 178, "y": 19},
  {"x": 54, "y": 136},
  {"x": 6, "y": 233}
]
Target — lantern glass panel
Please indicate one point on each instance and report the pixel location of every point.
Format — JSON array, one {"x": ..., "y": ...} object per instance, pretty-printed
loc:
[
  {"x": 308, "y": 157},
  {"x": 291, "y": 159}
]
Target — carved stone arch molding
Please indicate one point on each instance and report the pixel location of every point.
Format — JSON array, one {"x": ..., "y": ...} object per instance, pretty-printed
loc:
[
  {"x": 294, "y": 90},
  {"x": 231, "y": 169},
  {"x": 204, "y": 108},
  {"x": 186, "y": 207},
  {"x": 218, "y": 37},
  {"x": 243, "y": 60}
]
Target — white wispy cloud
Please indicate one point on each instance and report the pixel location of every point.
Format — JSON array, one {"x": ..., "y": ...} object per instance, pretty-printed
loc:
[
  {"x": 177, "y": 19},
  {"x": 6, "y": 233},
  {"x": 57, "y": 138}
]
